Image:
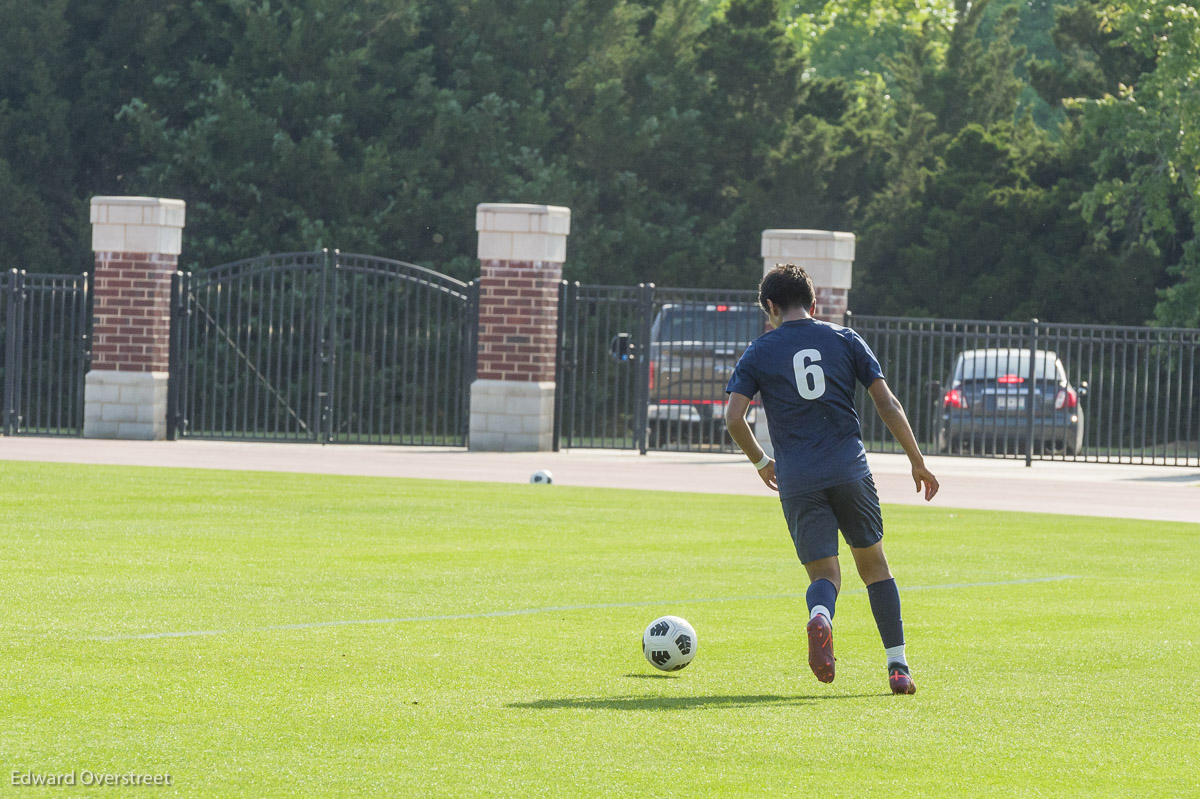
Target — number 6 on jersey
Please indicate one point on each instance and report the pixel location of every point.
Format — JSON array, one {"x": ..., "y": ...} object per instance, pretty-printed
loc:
[{"x": 810, "y": 378}]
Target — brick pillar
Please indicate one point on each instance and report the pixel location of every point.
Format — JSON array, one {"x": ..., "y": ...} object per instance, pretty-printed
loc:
[
  {"x": 137, "y": 241},
  {"x": 828, "y": 257},
  {"x": 521, "y": 252}
]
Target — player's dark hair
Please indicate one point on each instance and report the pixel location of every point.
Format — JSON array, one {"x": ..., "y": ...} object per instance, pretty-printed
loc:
[{"x": 788, "y": 286}]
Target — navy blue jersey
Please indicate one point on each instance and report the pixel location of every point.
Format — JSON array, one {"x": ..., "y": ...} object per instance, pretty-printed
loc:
[{"x": 806, "y": 372}]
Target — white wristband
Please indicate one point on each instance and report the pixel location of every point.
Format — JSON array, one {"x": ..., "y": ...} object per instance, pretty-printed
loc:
[{"x": 765, "y": 460}]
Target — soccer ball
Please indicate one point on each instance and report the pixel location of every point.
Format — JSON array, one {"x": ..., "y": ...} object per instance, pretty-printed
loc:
[
  {"x": 542, "y": 477},
  {"x": 669, "y": 643}
]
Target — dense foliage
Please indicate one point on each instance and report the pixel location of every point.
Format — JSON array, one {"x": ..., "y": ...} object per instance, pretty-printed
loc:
[{"x": 989, "y": 166}]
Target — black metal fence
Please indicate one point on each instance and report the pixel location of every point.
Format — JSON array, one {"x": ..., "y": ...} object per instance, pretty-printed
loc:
[
  {"x": 1133, "y": 392},
  {"x": 349, "y": 348},
  {"x": 600, "y": 399},
  {"x": 1060, "y": 392},
  {"x": 642, "y": 367},
  {"x": 323, "y": 346},
  {"x": 45, "y": 325}
]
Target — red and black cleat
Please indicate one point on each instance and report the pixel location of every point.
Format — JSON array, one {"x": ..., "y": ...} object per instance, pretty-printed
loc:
[
  {"x": 820, "y": 647},
  {"x": 900, "y": 679}
]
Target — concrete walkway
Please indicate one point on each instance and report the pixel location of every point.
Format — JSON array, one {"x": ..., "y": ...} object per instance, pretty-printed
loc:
[{"x": 1137, "y": 492}]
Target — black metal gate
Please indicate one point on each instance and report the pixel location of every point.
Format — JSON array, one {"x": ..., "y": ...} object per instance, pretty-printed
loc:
[
  {"x": 45, "y": 322},
  {"x": 323, "y": 346},
  {"x": 641, "y": 367}
]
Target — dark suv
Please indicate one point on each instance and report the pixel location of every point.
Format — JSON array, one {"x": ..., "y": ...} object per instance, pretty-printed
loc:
[
  {"x": 693, "y": 349},
  {"x": 987, "y": 401}
]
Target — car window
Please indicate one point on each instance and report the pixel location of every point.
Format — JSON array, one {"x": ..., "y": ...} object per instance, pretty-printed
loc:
[
  {"x": 994, "y": 365},
  {"x": 724, "y": 323}
]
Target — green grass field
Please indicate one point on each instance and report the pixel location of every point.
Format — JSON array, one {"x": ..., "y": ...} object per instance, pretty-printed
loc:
[{"x": 484, "y": 640}]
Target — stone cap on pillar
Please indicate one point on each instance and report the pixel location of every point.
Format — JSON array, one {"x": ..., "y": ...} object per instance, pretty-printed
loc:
[
  {"x": 138, "y": 224},
  {"x": 827, "y": 255},
  {"x": 522, "y": 232}
]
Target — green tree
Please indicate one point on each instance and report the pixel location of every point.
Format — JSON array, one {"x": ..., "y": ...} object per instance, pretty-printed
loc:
[
  {"x": 43, "y": 226},
  {"x": 957, "y": 103},
  {"x": 993, "y": 235},
  {"x": 1146, "y": 136},
  {"x": 381, "y": 129},
  {"x": 279, "y": 135},
  {"x": 851, "y": 39},
  {"x": 676, "y": 130},
  {"x": 1089, "y": 60}
]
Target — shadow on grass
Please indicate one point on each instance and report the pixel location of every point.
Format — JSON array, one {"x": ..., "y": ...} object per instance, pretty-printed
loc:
[{"x": 678, "y": 702}]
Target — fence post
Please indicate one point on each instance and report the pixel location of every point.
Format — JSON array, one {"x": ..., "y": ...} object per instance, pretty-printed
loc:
[
  {"x": 137, "y": 241},
  {"x": 177, "y": 362},
  {"x": 12, "y": 350},
  {"x": 323, "y": 379},
  {"x": 643, "y": 368},
  {"x": 561, "y": 362},
  {"x": 1029, "y": 397},
  {"x": 470, "y": 360},
  {"x": 21, "y": 299},
  {"x": 521, "y": 252}
]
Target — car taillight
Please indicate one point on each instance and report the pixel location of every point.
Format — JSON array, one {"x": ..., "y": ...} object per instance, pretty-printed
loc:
[
  {"x": 652, "y": 371},
  {"x": 1010, "y": 379},
  {"x": 1065, "y": 398},
  {"x": 954, "y": 399}
]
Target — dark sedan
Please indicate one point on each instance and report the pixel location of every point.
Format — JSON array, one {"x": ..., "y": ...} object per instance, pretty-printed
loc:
[{"x": 994, "y": 397}]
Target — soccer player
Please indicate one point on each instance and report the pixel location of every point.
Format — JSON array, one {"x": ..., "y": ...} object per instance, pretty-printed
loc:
[{"x": 806, "y": 372}]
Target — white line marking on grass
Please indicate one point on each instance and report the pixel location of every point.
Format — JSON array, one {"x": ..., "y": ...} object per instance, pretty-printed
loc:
[{"x": 558, "y": 609}]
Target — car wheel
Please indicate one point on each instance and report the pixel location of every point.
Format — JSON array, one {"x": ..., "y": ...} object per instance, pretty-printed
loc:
[{"x": 654, "y": 436}]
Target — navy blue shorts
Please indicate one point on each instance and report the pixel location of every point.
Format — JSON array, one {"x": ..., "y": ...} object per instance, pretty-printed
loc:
[{"x": 814, "y": 519}]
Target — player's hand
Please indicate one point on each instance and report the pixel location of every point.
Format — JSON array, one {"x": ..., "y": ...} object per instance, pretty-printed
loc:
[
  {"x": 767, "y": 473},
  {"x": 921, "y": 475}
]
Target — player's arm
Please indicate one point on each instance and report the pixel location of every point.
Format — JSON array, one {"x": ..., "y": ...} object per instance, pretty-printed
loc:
[
  {"x": 743, "y": 436},
  {"x": 892, "y": 413}
]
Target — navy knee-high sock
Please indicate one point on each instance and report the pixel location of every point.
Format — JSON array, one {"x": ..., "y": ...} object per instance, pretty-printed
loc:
[
  {"x": 885, "y": 606},
  {"x": 821, "y": 592}
]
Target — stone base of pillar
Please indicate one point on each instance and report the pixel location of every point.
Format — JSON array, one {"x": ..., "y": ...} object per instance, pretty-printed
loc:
[
  {"x": 511, "y": 416},
  {"x": 126, "y": 405},
  {"x": 762, "y": 433}
]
